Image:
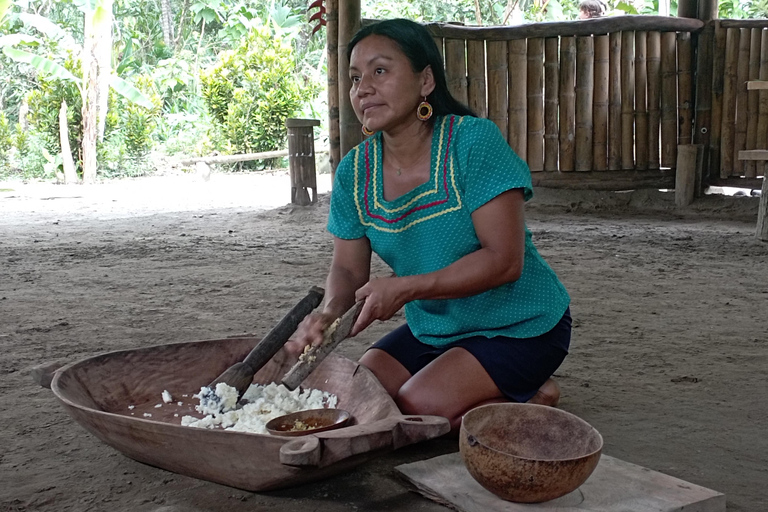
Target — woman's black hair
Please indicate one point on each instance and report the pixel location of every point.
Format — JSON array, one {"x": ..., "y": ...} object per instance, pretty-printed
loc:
[{"x": 417, "y": 44}]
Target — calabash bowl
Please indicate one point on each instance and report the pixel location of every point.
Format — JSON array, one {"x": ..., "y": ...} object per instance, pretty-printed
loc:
[{"x": 528, "y": 453}]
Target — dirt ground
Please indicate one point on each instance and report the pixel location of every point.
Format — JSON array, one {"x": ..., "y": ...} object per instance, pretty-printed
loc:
[{"x": 668, "y": 359}]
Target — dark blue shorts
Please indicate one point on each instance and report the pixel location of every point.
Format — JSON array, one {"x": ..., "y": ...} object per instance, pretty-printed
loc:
[{"x": 518, "y": 366}]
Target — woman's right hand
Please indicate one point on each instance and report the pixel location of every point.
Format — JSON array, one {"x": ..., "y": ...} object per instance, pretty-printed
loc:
[{"x": 309, "y": 332}]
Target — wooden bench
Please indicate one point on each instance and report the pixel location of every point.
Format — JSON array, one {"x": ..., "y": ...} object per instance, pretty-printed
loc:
[{"x": 760, "y": 155}]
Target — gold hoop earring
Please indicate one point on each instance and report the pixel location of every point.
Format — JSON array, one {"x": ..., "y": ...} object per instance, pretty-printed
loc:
[
  {"x": 367, "y": 132},
  {"x": 424, "y": 110}
]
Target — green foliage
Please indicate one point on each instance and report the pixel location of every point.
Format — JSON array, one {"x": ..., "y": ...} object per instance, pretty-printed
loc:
[
  {"x": 137, "y": 123},
  {"x": 6, "y": 136},
  {"x": 253, "y": 89}
]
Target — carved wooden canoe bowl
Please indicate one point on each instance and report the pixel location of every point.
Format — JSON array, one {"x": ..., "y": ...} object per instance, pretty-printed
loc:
[
  {"x": 116, "y": 395},
  {"x": 528, "y": 453}
]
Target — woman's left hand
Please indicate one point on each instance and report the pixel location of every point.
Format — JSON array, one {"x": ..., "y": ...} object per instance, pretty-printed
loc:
[{"x": 383, "y": 298}]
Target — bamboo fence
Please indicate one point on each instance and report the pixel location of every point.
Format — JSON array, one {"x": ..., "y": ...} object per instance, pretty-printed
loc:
[{"x": 605, "y": 103}]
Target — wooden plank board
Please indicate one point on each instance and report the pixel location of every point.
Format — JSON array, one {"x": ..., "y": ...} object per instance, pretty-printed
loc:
[
  {"x": 757, "y": 85},
  {"x": 753, "y": 154},
  {"x": 615, "y": 485}
]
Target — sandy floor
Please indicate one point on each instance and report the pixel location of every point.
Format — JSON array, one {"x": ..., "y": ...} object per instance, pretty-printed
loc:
[{"x": 668, "y": 359}]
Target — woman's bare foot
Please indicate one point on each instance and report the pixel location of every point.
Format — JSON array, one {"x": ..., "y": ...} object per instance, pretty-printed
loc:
[{"x": 548, "y": 394}]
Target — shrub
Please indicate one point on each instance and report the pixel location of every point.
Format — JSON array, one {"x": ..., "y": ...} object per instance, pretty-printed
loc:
[{"x": 252, "y": 90}]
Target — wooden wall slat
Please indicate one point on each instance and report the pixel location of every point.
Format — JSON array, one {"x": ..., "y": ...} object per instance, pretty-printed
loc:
[
  {"x": 718, "y": 84},
  {"x": 518, "y": 98},
  {"x": 685, "y": 87},
  {"x": 497, "y": 84},
  {"x": 729, "y": 102},
  {"x": 456, "y": 69},
  {"x": 627, "y": 100},
  {"x": 653, "y": 62},
  {"x": 439, "y": 43},
  {"x": 668, "y": 100},
  {"x": 753, "y": 98},
  {"x": 476, "y": 93},
  {"x": 742, "y": 75},
  {"x": 762, "y": 117},
  {"x": 585, "y": 69},
  {"x": 567, "y": 94},
  {"x": 641, "y": 104},
  {"x": 703, "y": 118},
  {"x": 535, "y": 93},
  {"x": 600, "y": 104},
  {"x": 614, "y": 99},
  {"x": 551, "y": 82}
]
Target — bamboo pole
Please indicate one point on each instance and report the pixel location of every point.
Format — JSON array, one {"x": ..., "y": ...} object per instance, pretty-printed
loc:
[
  {"x": 641, "y": 105},
  {"x": 718, "y": 84},
  {"x": 604, "y": 25},
  {"x": 567, "y": 94},
  {"x": 685, "y": 87},
  {"x": 762, "y": 107},
  {"x": 332, "y": 43},
  {"x": 551, "y": 79},
  {"x": 456, "y": 69},
  {"x": 476, "y": 78},
  {"x": 742, "y": 75},
  {"x": 600, "y": 104},
  {"x": 518, "y": 98},
  {"x": 614, "y": 99},
  {"x": 439, "y": 43},
  {"x": 349, "y": 126},
  {"x": 703, "y": 118},
  {"x": 585, "y": 74},
  {"x": 653, "y": 61},
  {"x": 753, "y": 98},
  {"x": 628, "y": 100},
  {"x": 668, "y": 100},
  {"x": 535, "y": 95},
  {"x": 497, "y": 85},
  {"x": 729, "y": 102}
]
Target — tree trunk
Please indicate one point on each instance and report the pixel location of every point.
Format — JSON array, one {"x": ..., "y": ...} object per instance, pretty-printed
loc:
[
  {"x": 104, "y": 61},
  {"x": 70, "y": 175},
  {"x": 167, "y": 22}
]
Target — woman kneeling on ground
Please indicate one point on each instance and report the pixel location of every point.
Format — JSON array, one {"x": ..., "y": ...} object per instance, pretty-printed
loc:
[{"x": 439, "y": 195}]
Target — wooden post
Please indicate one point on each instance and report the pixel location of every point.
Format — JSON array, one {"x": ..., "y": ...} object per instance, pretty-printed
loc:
[
  {"x": 476, "y": 77},
  {"x": 456, "y": 69},
  {"x": 567, "y": 93},
  {"x": 729, "y": 102},
  {"x": 707, "y": 10},
  {"x": 750, "y": 171},
  {"x": 668, "y": 100},
  {"x": 535, "y": 93},
  {"x": 497, "y": 84},
  {"x": 551, "y": 79},
  {"x": 518, "y": 97},
  {"x": 685, "y": 174},
  {"x": 641, "y": 106},
  {"x": 687, "y": 9},
  {"x": 653, "y": 61},
  {"x": 614, "y": 100},
  {"x": 301, "y": 160},
  {"x": 585, "y": 69},
  {"x": 601, "y": 104},
  {"x": 742, "y": 75},
  {"x": 703, "y": 119},
  {"x": 761, "y": 233},
  {"x": 332, "y": 43},
  {"x": 718, "y": 84},
  {"x": 685, "y": 87},
  {"x": 628, "y": 100},
  {"x": 349, "y": 127}
]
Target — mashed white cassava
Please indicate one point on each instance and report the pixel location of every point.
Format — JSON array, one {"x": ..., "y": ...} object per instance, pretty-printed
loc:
[{"x": 261, "y": 404}]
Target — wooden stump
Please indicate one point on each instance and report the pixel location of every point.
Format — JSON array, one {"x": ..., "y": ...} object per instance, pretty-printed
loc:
[
  {"x": 761, "y": 233},
  {"x": 301, "y": 160},
  {"x": 685, "y": 174}
]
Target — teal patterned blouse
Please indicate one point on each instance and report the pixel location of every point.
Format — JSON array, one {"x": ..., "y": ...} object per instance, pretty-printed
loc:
[{"x": 431, "y": 227}]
